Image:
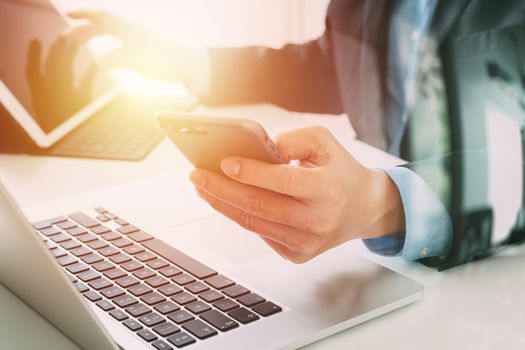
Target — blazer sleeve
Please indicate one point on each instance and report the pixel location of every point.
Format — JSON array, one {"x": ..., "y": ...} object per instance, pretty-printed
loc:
[{"x": 298, "y": 77}]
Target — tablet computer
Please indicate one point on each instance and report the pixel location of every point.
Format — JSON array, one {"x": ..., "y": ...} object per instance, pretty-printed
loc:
[{"x": 47, "y": 84}]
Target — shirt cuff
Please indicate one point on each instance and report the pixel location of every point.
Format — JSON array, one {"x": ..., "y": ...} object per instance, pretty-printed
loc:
[
  {"x": 427, "y": 222},
  {"x": 200, "y": 84}
]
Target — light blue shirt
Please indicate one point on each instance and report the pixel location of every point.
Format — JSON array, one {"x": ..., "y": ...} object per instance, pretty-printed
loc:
[{"x": 428, "y": 225}]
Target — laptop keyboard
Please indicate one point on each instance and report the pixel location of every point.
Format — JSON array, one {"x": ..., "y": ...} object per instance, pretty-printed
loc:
[
  {"x": 167, "y": 298},
  {"x": 123, "y": 130}
]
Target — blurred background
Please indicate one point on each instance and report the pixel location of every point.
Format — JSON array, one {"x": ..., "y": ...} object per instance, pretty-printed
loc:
[{"x": 220, "y": 22}]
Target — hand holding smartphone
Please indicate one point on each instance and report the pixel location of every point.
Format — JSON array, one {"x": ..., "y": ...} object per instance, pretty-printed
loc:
[{"x": 205, "y": 140}]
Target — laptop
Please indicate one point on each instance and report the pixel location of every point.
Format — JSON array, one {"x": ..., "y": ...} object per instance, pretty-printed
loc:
[
  {"x": 55, "y": 98},
  {"x": 150, "y": 266}
]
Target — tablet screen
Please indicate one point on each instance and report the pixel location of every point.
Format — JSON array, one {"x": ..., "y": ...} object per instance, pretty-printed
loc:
[{"x": 50, "y": 76}]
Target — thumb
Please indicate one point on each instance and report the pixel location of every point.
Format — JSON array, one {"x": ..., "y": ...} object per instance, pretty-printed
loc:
[{"x": 312, "y": 144}]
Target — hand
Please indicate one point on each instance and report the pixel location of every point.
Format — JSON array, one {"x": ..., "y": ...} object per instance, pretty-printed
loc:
[
  {"x": 143, "y": 50},
  {"x": 302, "y": 211}
]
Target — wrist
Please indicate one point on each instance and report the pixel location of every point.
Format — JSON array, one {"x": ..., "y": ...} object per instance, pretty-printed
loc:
[{"x": 385, "y": 206}]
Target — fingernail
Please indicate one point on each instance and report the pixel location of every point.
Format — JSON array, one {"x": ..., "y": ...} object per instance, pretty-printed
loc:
[
  {"x": 197, "y": 178},
  {"x": 230, "y": 167}
]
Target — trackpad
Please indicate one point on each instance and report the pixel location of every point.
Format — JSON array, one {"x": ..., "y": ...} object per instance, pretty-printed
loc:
[{"x": 223, "y": 237}]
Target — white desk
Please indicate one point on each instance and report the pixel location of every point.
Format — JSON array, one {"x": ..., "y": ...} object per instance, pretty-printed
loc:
[{"x": 476, "y": 306}]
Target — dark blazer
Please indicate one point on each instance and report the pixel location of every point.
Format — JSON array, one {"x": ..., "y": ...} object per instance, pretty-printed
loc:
[{"x": 344, "y": 71}]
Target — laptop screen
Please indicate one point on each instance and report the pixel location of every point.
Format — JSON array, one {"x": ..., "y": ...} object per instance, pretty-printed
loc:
[{"x": 51, "y": 77}]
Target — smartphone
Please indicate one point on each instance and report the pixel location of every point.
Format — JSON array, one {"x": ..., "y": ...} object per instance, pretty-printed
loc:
[{"x": 205, "y": 139}]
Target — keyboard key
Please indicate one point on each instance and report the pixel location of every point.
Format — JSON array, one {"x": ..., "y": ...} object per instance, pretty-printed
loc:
[
  {"x": 92, "y": 296},
  {"x": 77, "y": 268},
  {"x": 181, "y": 339},
  {"x": 198, "y": 307},
  {"x": 72, "y": 278},
  {"x": 61, "y": 237},
  {"x": 111, "y": 216},
  {"x": 111, "y": 236},
  {"x": 211, "y": 296},
  {"x": 146, "y": 256},
  {"x": 133, "y": 249},
  {"x": 166, "y": 329},
  {"x": 103, "y": 265},
  {"x": 266, "y": 309},
  {"x": 157, "y": 281},
  {"x": 109, "y": 251},
  {"x": 235, "y": 291},
  {"x": 179, "y": 258},
  {"x": 183, "y": 298},
  {"x": 91, "y": 258},
  {"x": 131, "y": 266},
  {"x": 170, "y": 271},
  {"x": 127, "y": 281},
  {"x": 147, "y": 335},
  {"x": 88, "y": 275},
  {"x": 115, "y": 273},
  {"x": 140, "y": 236},
  {"x": 122, "y": 242},
  {"x": 143, "y": 273},
  {"x": 112, "y": 292},
  {"x": 40, "y": 225},
  {"x": 66, "y": 225},
  {"x": 152, "y": 319},
  {"x": 119, "y": 258},
  {"x": 197, "y": 287},
  {"x": 102, "y": 218},
  {"x": 132, "y": 325},
  {"x": 76, "y": 231},
  {"x": 180, "y": 316},
  {"x": 138, "y": 310},
  {"x": 87, "y": 237},
  {"x": 219, "y": 321},
  {"x": 226, "y": 305},
  {"x": 84, "y": 220},
  {"x": 101, "y": 210},
  {"x": 50, "y": 231},
  {"x": 139, "y": 289},
  {"x": 81, "y": 287},
  {"x": 125, "y": 301},
  {"x": 119, "y": 315},
  {"x": 166, "y": 307},
  {"x": 100, "y": 230},
  {"x": 243, "y": 315},
  {"x": 100, "y": 284},
  {"x": 169, "y": 290},
  {"x": 70, "y": 245},
  {"x": 98, "y": 244},
  {"x": 121, "y": 222},
  {"x": 157, "y": 264},
  {"x": 66, "y": 260},
  {"x": 219, "y": 282},
  {"x": 152, "y": 298},
  {"x": 58, "y": 253},
  {"x": 51, "y": 245},
  {"x": 81, "y": 251},
  {"x": 199, "y": 329},
  {"x": 251, "y": 299},
  {"x": 127, "y": 229},
  {"x": 161, "y": 345},
  {"x": 183, "y": 279},
  {"x": 105, "y": 305}
]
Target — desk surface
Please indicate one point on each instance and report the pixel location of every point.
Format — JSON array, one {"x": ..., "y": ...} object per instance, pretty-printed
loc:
[{"x": 476, "y": 306}]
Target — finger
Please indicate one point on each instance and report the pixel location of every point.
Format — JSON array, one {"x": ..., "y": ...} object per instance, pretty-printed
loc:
[
  {"x": 312, "y": 144},
  {"x": 281, "y": 178},
  {"x": 113, "y": 24},
  {"x": 121, "y": 58},
  {"x": 252, "y": 200},
  {"x": 290, "y": 237},
  {"x": 286, "y": 253},
  {"x": 83, "y": 33}
]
